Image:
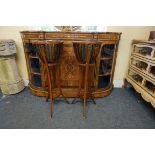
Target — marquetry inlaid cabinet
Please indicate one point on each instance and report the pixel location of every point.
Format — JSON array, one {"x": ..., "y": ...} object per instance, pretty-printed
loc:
[
  {"x": 141, "y": 72},
  {"x": 105, "y": 63}
]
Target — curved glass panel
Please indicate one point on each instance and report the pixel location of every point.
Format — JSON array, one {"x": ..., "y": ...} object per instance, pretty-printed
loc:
[{"x": 105, "y": 66}]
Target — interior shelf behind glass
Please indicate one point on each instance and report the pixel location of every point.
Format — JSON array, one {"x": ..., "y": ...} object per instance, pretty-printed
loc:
[
  {"x": 35, "y": 66},
  {"x": 31, "y": 49},
  {"x": 36, "y": 80},
  {"x": 105, "y": 67},
  {"x": 107, "y": 51}
]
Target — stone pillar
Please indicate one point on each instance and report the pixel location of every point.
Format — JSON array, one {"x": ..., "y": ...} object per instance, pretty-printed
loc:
[{"x": 10, "y": 81}]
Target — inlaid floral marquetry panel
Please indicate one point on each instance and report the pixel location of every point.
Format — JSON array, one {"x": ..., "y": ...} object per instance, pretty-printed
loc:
[{"x": 69, "y": 70}]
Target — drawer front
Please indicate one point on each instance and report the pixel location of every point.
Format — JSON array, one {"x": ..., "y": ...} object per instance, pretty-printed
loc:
[
  {"x": 33, "y": 36},
  {"x": 108, "y": 36},
  {"x": 78, "y": 36},
  {"x": 54, "y": 35}
]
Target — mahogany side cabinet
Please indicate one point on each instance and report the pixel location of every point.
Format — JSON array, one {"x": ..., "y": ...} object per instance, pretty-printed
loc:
[{"x": 105, "y": 63}]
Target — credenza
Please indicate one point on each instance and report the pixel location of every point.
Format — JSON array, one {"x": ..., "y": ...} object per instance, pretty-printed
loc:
[
  {"x": 141, "y": 71},
  {"x": 105, "y": 62}
]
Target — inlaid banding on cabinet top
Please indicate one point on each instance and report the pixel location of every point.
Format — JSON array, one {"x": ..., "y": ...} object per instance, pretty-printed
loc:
[{"x": 68, "y": 35}]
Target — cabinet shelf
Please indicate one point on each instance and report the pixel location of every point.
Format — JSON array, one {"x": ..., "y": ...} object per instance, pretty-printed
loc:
[
  {"x": 33, "y": 57},
  {"x": 105, "y": 74},
  {"x": 35, "y": 70},
  {"x": 36, "y": 80},
  {"x": 106, "y": 58},
  {"x": 35, "y": 73}
]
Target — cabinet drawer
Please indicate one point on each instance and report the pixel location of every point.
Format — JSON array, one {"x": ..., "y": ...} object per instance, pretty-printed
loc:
[
  {"x": 108, "y": 36},
  {"x": 33, "y": 36},
  {"x": 54, "y": 35},
  {"x": 78, "y": 36}
]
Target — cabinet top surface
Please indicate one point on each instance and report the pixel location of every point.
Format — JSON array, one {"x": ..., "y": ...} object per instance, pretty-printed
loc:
[{"x": 70, "y": 32}]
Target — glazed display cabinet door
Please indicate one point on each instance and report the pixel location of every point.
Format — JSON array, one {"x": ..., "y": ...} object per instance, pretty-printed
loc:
[
  {"x": 106, "y": 65},
  {"x": 34, "y": 66}
]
